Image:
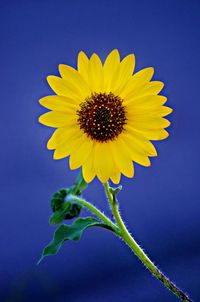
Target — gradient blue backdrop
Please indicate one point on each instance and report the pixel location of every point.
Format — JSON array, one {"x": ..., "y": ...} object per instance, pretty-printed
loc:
[{"x": 160, "y": 205}]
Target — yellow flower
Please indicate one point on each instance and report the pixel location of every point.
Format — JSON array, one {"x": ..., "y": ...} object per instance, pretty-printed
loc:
[{"x": 105, "y": 116}]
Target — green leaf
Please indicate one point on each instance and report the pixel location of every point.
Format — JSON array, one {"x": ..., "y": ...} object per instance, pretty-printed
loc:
[
  {"x": 58, "y": 198},
  {"x": 73, "y": 211},
  {"x": 67, "y": 211},
  {"x": 70, "y": 232},
  {"x": 57, "y": 217}
]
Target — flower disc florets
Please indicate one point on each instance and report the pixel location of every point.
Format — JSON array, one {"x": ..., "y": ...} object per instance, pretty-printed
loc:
[{"x": 102, "y": 116}]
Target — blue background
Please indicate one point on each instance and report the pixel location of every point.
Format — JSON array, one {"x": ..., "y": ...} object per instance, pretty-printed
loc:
[{"x": 160, "y": 205}]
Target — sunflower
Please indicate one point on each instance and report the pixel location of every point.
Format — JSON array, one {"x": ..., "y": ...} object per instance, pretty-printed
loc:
[{"x": 105, "y": 116}]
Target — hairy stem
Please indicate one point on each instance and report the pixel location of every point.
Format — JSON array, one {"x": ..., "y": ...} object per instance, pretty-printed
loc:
[
  {"x": 130, "y": 241},
  {"x": 94, "y": 210}
]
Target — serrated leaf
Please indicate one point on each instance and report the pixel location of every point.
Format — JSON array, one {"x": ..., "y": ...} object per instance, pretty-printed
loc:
[{"x": 69, "y": 232}]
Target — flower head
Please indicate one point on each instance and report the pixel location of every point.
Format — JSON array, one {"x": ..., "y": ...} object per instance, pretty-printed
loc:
[{"x": 105, "y": 116}]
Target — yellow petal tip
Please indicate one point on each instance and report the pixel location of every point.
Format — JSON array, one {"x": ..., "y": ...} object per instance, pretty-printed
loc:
[
  {"x": 56, "y": 156},
  {"x": 49, "y": 78},
  {"x": 40, "y": 120},
  {"x": 152, "y": 69},
  {"x": 61, "y": 66},
  {"x": 82, "y": 54}
]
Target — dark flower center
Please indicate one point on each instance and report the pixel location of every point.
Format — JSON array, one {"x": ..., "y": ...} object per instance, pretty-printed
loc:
[{"x": 102, "y": 116}]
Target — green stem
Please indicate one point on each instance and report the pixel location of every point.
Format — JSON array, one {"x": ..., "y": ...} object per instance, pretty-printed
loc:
[
  {"x": 94, "y": 210},
  {"x": 130, "y": 241}
]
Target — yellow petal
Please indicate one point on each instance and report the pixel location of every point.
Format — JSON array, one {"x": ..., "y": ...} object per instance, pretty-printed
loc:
[
  {"x": 58, "y": 103},
  {"x": 81, "y": 152},
  {"x": 163, "y": 111},
  {"x": 144, "y": 122},
  {"x": 153, "y": 88},
  {"x": 110, "y": 68},
  {"x": 64, "y": 149},
  {"x": 154, "y": 134},
  {"x": 136, "y": 154},
  {"x": 83, "y": 63},
  {"x": 148, "y": 89},
  {"x": 88, "y": 169},
  {"x": 125, "y": 72},
  {"x": 148, "y": 101},
  {"x": 64, "y": 88},
  {"x": 137, "y": 81},
  {"x": 103, "y": 161},
  {"x": 140, "y": 142},
  {"x": 57, "y": 119},
  {"x": 122, "y": 158},
  {"x": 115, "y": 177},
  {"x": 60, "y": 136},
  {"x": 73, "y": 77},
  {"x": 95, "y": 74},
  {"x": 154, "y": 111}
]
